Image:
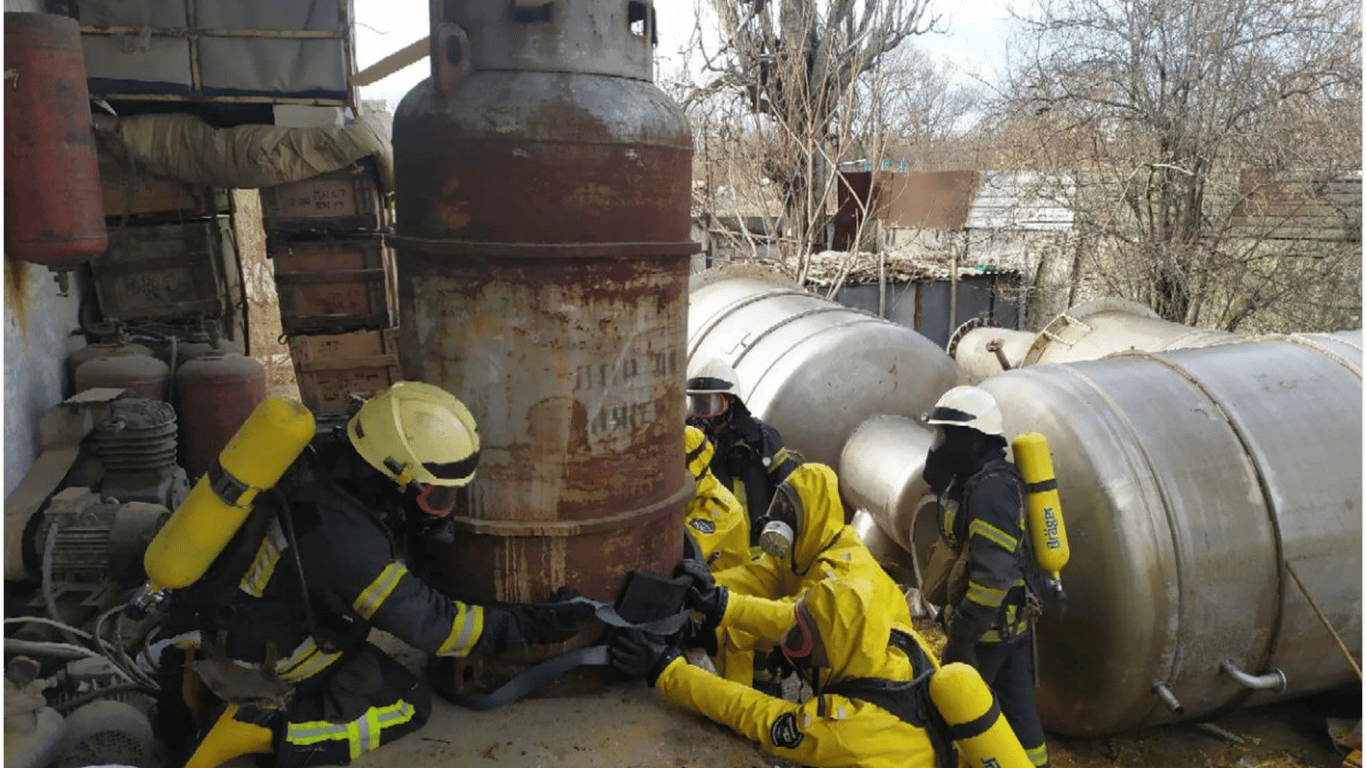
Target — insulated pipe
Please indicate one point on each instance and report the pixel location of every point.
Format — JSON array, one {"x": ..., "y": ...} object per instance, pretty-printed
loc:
[{"x": 1270, "y": 681}]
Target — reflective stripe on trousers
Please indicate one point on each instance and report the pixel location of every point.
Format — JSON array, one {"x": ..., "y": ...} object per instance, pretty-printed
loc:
[{"x": 362, "y": 734}]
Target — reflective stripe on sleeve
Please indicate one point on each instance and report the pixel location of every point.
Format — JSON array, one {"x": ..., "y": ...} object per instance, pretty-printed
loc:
[
  {"x": 992, "y": 533},
  {"x": 306, "y": 661},
  {"x": 373, "y": 596},
  {"x": 466, "y": 628},
  {"x": 262, "y": 567}
]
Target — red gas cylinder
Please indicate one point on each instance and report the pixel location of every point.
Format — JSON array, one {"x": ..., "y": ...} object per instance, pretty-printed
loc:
[
  {"x": 111, "y": 348},
  {"x": 145, "y": 375},
  {"x": 217, "y": 392},
  {"x": 54, "y": 206}
]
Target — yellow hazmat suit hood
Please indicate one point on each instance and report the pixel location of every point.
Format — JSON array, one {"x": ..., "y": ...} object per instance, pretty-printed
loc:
[
  {"x": 814, "y": 491},
  {"x": 855, "y": 630}
]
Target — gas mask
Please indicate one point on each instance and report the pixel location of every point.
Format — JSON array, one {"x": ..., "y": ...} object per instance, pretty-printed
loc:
[
  {"x": 778, "y": 532},
  {"x": 949, "y": 454}
]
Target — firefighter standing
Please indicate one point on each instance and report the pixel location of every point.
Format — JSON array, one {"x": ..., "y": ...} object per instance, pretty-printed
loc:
[
  {"x": 750, "y": 459},
  {"x": 283, "y": 613},
  {"x": 989, "y": 615}
]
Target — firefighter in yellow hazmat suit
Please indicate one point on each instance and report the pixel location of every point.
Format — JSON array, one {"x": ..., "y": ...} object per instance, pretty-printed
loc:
[
  {"x": 805, "y": 541},
  {"x": 714, "y": 517},
  {"x": 879, "y": 698}
]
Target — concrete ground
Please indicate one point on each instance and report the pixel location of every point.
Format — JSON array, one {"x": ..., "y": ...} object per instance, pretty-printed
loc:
[{"x": 631, "y": 725}]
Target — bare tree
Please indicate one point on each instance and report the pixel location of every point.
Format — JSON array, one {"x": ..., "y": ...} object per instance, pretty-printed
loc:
[
  {"x": 1160, "y": 104},
  {"x": 796, "y": 63}
]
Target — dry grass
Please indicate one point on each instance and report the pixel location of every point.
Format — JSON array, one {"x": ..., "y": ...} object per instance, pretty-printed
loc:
[{"x": 263, "y": 305}]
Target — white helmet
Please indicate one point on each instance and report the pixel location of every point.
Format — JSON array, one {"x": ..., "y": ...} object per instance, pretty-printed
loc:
[
  {"x": 710, "y": 387},
  {"x": 969, "y": 407}
]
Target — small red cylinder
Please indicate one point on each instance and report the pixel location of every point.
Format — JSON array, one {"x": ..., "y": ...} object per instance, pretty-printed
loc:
[
  {"x": 217, "y": 392},
  {"x": 144, "y": 375},
  {"x": 54, "y": 205}
]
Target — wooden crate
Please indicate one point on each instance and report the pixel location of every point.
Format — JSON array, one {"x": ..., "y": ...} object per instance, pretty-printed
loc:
[
  {"x": 142, "y": 196},
  {"x": 168, "y": 271},
  {"x": 329, "y": 368},
  {"x": 333, "y": 285},
  {"x": 343, "y": 202}
]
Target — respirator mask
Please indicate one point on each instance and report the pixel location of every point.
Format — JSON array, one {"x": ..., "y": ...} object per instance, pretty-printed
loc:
[{"x": 778, "y": 532}]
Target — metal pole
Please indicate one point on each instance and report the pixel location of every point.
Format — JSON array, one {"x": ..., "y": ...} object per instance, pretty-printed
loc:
[{"x": 1314, "y": 604}]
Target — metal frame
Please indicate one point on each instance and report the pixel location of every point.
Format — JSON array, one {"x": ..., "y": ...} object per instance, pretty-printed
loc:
[{"x": 193, "y": 33}]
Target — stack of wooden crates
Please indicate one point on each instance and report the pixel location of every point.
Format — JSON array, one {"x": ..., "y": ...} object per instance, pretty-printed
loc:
[{"x": 334, "y": 276}]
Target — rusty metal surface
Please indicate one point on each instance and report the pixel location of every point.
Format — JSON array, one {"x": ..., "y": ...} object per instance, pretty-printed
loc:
[
  {"x": 54, "y": 205},
  {"x": 215, "y": 393},
  {"x": 542, "y": 263},
  {"x": 144, "y": 375}
]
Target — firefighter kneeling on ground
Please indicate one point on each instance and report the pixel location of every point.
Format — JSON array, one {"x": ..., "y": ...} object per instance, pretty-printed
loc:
[
  {"x": 284, "y": 611},
  {"x": 879, "y": 700}
]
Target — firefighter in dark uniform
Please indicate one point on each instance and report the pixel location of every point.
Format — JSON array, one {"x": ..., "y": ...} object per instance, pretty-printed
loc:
[
  {"x": 750, "y": 459},
  {"x": 990, "y": 609},
  {"x": 284, "y": 612}
]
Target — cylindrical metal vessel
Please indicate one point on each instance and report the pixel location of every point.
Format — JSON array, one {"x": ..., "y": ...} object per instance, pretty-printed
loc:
[
  {"x": 542, "y": 260},
  {"x": 54, "y": 205},
  {"x": 215, "y": 393},
  {"x": 144, "y": 375},
  {"x": 1188, "y": 480},
  {"x": 1088, "y": 331},
  {"x": 880, "y": 470},
  {"x": 99, "y": 350},
  {"x": 194, "y": 347},
  {"x": 813, "y": 368}
]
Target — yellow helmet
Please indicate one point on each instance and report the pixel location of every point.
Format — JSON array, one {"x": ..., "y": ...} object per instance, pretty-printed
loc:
[
  {"x": 699, "y": 450},
  {"x": 417, "y": 432}
]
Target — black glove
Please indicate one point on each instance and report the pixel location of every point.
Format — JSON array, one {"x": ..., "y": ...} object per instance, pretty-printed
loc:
[
  {"x": 512, "y": 626},
  {"x": 697, "y": 636},
  {"x": 636, "y": 654},
  {"x": 959, "y": 648},
  {"x": 697, "y": 571}
]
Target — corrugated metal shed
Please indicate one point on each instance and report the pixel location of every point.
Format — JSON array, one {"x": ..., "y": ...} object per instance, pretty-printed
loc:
[
  {"x": 1299, "y": 206},
  {"x": 1024, "y": 200}
]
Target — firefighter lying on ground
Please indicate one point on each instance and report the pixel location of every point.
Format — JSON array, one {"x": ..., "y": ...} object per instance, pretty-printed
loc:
[
  {"x": 805, "y": 541},
  {"x": 989, "y": 614},
  {"x": 879, "y": 700},
  {"x": 284, "y": 611},
  {"x": 750, "y": 460},
  {"x": 715, "y": 520}
]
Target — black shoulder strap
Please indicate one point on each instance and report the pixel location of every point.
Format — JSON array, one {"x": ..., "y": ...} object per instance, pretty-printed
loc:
[{"x": 909, "y": 702}]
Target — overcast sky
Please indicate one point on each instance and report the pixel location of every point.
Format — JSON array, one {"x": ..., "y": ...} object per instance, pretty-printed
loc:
[{"x": 977, "y": 31}]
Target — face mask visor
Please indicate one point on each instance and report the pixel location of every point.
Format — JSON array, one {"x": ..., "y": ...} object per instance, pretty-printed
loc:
[{"x": 707, "y": 405}]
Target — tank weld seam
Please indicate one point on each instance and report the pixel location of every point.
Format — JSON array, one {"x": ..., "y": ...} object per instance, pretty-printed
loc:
[
  {"x": 758, "y": 380},
  {"x": 567, "y": 528},
  {"x": 1268, "y": 501},
  {"x": 721, "y": 314},
  {"x": 1172, "y": 663}
]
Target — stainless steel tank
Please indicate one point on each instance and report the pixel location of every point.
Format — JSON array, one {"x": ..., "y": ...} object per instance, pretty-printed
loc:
[
  {"x": 1087, "y": 331},
  {"x": 880, "y": 471},
  {"x": 1188, "y": 480},
  {"x": 811, "y": 367},
  {"x": 543, "y": 192}
]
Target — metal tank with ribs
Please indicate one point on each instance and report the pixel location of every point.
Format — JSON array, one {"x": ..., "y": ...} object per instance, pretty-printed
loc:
[{"x": 543, "y": 192}]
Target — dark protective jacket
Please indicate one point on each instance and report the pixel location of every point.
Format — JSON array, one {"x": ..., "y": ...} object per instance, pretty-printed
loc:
[
  {"x": 750, "y": 461},
  {"x": 249, "y": 607},
  {"x": 985, "y": 515}
]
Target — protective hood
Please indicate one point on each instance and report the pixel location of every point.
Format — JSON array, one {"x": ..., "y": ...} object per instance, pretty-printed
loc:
[
  {"x": 820, "y": 515},
  {"x": 855, "y": 630}
]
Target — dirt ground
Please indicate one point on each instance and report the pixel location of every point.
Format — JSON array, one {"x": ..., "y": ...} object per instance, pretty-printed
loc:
[{"x": 632, "y": 725}]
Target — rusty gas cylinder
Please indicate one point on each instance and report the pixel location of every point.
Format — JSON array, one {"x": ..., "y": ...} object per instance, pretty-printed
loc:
[
  {"x": 115, "y": 347},
  {"x": 542, "y": 261},
  {"x": 216, "y": 393},
  {"x": 142, "y": 374},
  {"x": 54, "y": 205}
]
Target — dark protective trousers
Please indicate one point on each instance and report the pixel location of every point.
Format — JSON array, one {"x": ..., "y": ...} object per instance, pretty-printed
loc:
[{"x": 1009, "y": 669}]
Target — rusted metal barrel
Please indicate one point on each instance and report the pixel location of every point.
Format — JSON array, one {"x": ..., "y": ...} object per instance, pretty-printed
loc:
[{"x": 542, "y": 261}]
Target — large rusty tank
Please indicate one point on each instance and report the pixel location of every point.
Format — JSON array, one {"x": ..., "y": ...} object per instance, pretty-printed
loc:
[
  {"x": 54, "y": 204},
  {"x": 215, "y": 393},
  {"x": 811, "y": 367},
  {"x": 1087, "y": 331},
  {"x": 142, "y": 374},
  {"x": 543, "y": 191},
  {"x": 1192, "y": 481}
]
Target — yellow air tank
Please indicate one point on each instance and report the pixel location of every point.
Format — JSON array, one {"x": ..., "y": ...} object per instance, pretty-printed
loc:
[
  {"x": 962, "y": 698},
  {"x": 1043, "y": 510},
  {"x": 265, "y": 445}
]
